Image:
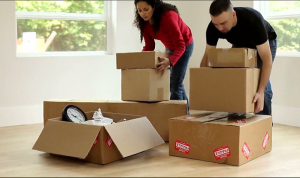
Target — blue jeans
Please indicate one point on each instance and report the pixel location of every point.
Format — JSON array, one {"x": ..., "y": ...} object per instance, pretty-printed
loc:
[
  {"x": 178, "y": 73},
  {"x": 267, "y": 110}
]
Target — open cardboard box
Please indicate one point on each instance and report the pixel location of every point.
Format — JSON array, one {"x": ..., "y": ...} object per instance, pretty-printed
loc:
[
  {"x": 98, "y": 144},
  {"x": 215, "y": 137}
]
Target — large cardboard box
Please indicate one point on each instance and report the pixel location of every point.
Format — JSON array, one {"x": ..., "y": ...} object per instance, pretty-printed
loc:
[
  {"x": 139, "y": 60},
  {"x": 232, "y": 57},
  {"x": 145, "y": 85},
  {"x": 98, "y": 144},
  {"x": 158, "y": 113},
  {"x": 223, "y": 89},
  {"x": 214, "y": 137}
]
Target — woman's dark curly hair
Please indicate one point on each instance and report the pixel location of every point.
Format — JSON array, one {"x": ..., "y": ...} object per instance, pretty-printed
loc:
[{"x": 160, "y": 8}]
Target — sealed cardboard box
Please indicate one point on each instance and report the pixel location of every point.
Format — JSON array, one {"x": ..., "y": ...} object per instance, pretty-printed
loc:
[
  {"x": 232, "y": 57},
  {"x": 223, "y": 89},
  {"x": 217, "y": 137},
  {"x": 158, "y": 113},
  {"x": 145, "y": 85},
  {"x": 98, "y": 144},
  {"x": 139, "y": 60}
]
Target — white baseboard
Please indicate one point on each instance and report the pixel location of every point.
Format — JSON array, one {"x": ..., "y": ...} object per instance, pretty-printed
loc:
[
  {"x": 34, "y": 115},
  {"x": 286, "y": 115},
  {"x": 14, "y": 116}
]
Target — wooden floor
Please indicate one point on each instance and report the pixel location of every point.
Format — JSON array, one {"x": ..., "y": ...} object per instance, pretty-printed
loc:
[{"x": 18, "y": 159}]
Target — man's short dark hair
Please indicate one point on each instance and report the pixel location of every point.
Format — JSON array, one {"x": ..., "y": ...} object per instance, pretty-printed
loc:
[{"x": 217, "y": 7}]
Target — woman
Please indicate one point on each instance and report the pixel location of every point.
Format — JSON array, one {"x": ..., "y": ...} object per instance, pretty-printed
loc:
[{"x": 161, "y": 21}]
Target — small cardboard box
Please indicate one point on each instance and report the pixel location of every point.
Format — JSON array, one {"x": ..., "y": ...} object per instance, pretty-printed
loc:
[
  {"x": 158, "y": 113},
  {"x": 139, "y": 60},
  {"x": 232, "y": 57},
  {"x": 215, "y": 137},
  {"x": 98, "y": 144},
  {"x": 145, "y": 85},
  {"x": 223, "y": 89}
]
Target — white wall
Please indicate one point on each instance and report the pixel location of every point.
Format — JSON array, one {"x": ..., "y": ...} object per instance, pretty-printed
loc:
[{"x": 27, "y": 82}]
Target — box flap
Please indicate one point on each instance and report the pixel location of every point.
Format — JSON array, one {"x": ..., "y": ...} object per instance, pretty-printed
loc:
[
  {"x": 66, "y": 138},
  {"x": 134, "y": 136},
  {"x": 203, "y": 116},
  {"x": 222, "y": 118},
  {"x": 243, "y": 120}
]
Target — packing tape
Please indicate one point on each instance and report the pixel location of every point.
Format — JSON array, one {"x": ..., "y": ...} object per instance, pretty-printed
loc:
[
  {"x": 223, "y": 56},
  {"x": 160, "y": 93}
]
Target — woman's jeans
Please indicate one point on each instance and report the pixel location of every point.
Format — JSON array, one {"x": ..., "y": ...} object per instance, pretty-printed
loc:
[{"x": 178, "y": 73}]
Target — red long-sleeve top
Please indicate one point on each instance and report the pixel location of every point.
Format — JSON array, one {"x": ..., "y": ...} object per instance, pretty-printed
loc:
[{"x": 173, "y": 33}]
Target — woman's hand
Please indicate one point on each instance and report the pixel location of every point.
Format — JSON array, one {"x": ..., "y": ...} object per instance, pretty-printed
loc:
[{"x": 163, "y": 64}]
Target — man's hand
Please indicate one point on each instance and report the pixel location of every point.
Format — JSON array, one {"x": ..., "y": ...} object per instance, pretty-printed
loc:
[
  {"x": 259, "y": 102},
  {"x": 266, "y": 57},
  {"x": 163, "y": 64}
]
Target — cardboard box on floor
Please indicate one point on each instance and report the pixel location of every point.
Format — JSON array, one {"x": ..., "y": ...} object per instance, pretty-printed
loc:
[
  {"x": 139, "y": 60},
  {"x": 145, "y": 85},
  {"x": 232, "y": 141},
  {"x": 99, "y": 144},
  {"x": 223, "y": 89},
  {"x": 158, "y": 113},
  {"x": 232, "y": 57}
]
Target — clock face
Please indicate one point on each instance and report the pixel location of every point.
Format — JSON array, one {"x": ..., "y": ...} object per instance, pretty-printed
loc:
[{"x": 75, "y": 115}]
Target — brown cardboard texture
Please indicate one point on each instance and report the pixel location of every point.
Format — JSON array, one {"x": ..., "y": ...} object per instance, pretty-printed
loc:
[
  {"x": 139, "y": 60},
  {"x": 232, "y": 57},
  {"x": 223, "y": 89},
  {"x": 98, "y": 144},
  {"x": 158, "y": 113},
  {"x": 233, "y": 140},
  {"x": 145, "y": 85}
]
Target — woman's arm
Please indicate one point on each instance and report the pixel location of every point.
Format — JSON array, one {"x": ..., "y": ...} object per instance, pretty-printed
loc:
[
  {"x": 170, "y": 25},
  {"x": 149, "y": 42}
]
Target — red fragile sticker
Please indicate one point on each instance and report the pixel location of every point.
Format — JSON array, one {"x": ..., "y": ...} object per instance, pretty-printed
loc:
[
  {"x": 222, "y": 152},
  {"x": 240, "y": 121},
  {"x": 265, "y": 141},
  {"x": 96, "y": 141},
  {"x": 182, "y": 147},
  {"x": 246, "y": 150},
  {"x": 109, "y": 142}
]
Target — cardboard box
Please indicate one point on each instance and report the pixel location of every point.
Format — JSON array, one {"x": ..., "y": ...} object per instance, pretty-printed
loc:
[
  {"x": 232, "y": 57},
  {"x": 157, "y": 113},
  {"x": 213, "y": 137},
  {"x": 145, "y": 85},
  {"x": 139, "y": 60},
  {"x": 223, "y": 89},
  {"x": 98, "y": 144}
]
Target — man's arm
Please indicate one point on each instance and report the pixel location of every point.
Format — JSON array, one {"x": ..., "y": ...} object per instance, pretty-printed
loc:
[
  {"x": 203, "y": 62},
  {"x": 266, "y": 57},
  {"x": 212, "y": 37}
]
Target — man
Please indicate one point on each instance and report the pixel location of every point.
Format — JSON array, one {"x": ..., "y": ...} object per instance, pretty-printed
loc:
[{"x": 245, "y": 27}]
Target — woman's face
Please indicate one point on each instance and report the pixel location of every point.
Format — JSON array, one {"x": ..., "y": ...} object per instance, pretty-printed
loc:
[{"x": 145, "y": 10}]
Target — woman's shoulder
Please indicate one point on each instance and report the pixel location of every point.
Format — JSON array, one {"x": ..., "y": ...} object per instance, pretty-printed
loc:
[{"x": 169, "y": 14}]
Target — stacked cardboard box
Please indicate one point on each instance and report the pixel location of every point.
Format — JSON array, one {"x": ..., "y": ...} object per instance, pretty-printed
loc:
[
  {"x": 140, "y": 80},
  {"x": 226, "y": 86}
]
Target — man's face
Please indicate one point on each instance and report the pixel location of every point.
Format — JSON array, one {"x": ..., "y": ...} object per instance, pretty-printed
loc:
[{"x": 224, "y": 21}]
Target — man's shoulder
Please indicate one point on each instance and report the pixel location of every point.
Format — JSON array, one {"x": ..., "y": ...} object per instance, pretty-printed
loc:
[{"x": 248, "y": 12}]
